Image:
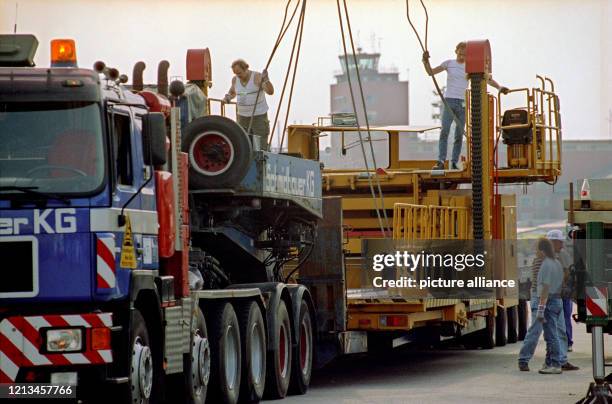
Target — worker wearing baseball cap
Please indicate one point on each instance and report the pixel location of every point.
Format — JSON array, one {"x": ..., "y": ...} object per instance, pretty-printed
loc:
[{"x": 564, "y": 325}]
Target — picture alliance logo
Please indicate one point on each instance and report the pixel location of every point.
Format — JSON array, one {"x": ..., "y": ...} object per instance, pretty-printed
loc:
[{"x": 412, "y": 261}]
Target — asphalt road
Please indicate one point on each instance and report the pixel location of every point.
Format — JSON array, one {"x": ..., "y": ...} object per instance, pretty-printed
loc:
[{"x": 450, "y": 376}]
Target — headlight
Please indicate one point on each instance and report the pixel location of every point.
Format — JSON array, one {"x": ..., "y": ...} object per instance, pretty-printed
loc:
[{"x": 63, "y": 340}]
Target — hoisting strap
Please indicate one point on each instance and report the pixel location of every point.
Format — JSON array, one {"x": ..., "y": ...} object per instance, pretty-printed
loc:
[{"x": 363, "y": 151}]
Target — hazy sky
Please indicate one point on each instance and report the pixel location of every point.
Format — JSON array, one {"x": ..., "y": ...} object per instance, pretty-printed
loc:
[{"x": 568, "y": 41}]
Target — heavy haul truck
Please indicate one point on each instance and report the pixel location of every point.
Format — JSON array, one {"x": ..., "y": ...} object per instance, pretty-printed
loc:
[{"x": 161, "y": 255}]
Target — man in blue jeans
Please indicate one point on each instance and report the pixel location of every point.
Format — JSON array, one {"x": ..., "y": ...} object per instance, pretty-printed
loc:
[
  {"x": 546, "y": 308},
  {"x": 456, "y": 84}
]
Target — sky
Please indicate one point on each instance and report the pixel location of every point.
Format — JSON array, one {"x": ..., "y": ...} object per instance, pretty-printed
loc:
[{"x": 566, "y": 40}]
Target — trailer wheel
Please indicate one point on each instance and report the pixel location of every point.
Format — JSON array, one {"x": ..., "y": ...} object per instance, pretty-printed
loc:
[
  {"x": 489, "y": 334},
  {"x": 143, "y": 373},
  {"x": 219, "y": 152},
  {"x": 279, "y": 360},
  {"x": 523, "y": 310},
  {"x": 511, "y": 313},
  {"x": 225, "y": 354},
  {"x": 253, "y": 334},
  {"x": 303, "y": 352},
  {"x": 501, "y": 327}
]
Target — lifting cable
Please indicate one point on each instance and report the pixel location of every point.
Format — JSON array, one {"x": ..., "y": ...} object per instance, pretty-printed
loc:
[
  {"x": 425, "y": 50},
  {"x": 361, "y": 141},
  {"x": 298, "y": 38},
  {"x": 281, "y": 34}
]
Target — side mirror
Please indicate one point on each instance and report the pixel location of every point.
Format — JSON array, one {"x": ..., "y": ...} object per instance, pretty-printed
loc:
[{"x": 154, "y": 139}]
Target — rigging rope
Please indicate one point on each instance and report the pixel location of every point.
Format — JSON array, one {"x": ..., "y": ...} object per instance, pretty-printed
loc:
[
  {"x": 380, "y": 192},
  {"x": 363, "y": 151},
  {"x": 298, "y": 33},
  {"x": 279, "y": 39}
]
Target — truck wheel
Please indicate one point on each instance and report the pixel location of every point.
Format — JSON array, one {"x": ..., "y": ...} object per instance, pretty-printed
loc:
[
  {"x": 143, "y": 373},
  {"x": 253, "y": 342},
  {"x": 511, "y": 313},
  {"x": 279, "y": 360},
  {"x": 225, "y": 354},
  {"x": 489, "y": 334},
  {"x": 219, "y": 152},
  {"x": 302, "y": 363},
  {"x": 197, "y": 363},
  {"x": 190, "y": 387},
  {"x": 501, "y": 327},
  {"x": 522, "y": 319}
]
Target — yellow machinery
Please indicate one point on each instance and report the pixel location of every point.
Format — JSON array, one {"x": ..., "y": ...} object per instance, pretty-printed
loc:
[{"x": 421, "y": 204}]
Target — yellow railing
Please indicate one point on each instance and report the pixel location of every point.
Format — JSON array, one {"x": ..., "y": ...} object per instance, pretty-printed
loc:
[
  {"x": 542, "y": 105},
  {"x": 420, "y": 222}
]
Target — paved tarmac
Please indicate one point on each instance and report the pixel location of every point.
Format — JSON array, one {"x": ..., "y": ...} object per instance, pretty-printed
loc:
[{"x": 452, "y": 375}]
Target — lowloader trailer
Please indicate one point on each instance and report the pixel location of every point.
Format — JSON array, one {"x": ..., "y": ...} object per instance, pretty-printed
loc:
[{"x": 424, "y": 204}]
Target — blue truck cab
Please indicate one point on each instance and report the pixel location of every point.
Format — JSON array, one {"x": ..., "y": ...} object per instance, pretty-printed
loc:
[{"x": 71, "y": 164}]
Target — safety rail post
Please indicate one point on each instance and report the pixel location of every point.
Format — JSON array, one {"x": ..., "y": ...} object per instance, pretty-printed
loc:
[{"x": 221, "y": 102}]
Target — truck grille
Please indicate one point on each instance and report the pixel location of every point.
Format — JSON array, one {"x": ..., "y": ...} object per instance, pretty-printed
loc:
[{"x": 19, "y": 255}]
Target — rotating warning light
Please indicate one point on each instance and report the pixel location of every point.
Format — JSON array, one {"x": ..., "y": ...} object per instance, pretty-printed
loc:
[{"x": 63, "y": 53}]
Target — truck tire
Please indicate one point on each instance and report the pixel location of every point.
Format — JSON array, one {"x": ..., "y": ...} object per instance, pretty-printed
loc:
[
  {"x": 143, "y": 385},
  {"x": 279, "y": 359},
  {"x": 489, "y": 334},
  {"x": 501, "y": 327},
  {"x": 225, "y": 354},
  {"x": 219, "y": 152},
  {"x": 253, "y": 342},
  {"x": 191, "y": 386},
  {"x": 197, "y": 363},
  {"x": 303, "y": 352},
  {"x": 512, "y": 314},
  {"x": 523, "y": 312}
]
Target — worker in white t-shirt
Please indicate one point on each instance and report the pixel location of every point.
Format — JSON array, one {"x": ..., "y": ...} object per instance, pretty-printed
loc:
[{"x": 456, "y": 84}]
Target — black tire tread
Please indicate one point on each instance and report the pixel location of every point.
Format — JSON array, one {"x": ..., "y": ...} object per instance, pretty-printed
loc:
[
  {"x": 248, "y": 392},
  {"x": 216, "y": 314}
]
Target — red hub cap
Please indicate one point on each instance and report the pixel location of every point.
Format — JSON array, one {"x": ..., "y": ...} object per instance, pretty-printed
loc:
[{"x": 211, "y": 153}]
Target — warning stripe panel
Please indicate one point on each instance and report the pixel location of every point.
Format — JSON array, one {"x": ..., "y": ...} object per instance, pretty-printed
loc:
[
  {"x": 597, "y": 301},
  {"x": 21, "y": 341},
  {"x": 8, "y": 369},
  {"x": 105, "y": 261}
]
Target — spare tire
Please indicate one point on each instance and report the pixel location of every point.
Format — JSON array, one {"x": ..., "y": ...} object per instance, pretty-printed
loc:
[{"x": 219, "y": 152}]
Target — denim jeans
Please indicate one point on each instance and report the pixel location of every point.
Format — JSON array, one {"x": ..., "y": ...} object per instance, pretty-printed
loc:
[
  {"x": 567, "y": 313},
  {"x": 458, "y": 108},
  {"x": 554, "y": 310},
  {"x": 562, "y": 335}
]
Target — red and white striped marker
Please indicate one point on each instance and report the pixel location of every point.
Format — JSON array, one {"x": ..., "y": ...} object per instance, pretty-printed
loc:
[
  {"x": 105, "y": 261},
  {"x": 21, "y": 342},
  {"x": 597, "y": 301}
]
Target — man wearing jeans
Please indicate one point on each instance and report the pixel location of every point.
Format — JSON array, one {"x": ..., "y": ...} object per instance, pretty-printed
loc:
[
  {"x": 456, "y": 84},
  {"x": 546, "y": 308}
]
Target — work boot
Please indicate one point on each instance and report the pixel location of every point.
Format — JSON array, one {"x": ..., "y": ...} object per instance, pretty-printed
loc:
[
  {"x": 569, "y": 366},
  {"x": 523, "y": 367},
  {"x": 550, "y": 370},
  {"x": 439, "y": 166}
]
